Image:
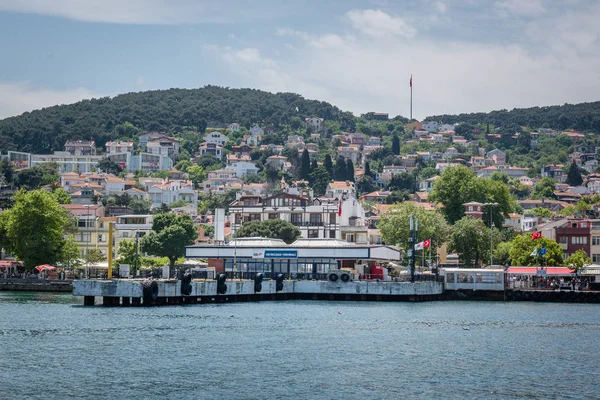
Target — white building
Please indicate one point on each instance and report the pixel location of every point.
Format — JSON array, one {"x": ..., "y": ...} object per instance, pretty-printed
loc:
[
  {"x": 220, "y": 181},
  {"x": 81, "y": 147},
  {"x": 233, "y": 127},
  {"x": 339, "y": 189},
  {"x": 146, "y": 137},
  {"x": 130, "y": 226},
  {"x": 172, "y": 191},
  {"x": 164, "y": 146},
  {"x": 66, "y": 161},
  {"x": 119, "y": 147},
  {"x": 213, "y": 149},
  {"x": 431, "y": 126},
  {"x": 316, "y": 124},
  {"x": 216, "y": 137},
  {"x": 242, "y": 168}
]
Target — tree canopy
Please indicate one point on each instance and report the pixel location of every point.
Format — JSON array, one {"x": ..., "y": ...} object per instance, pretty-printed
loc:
[
  {"x": 271, "y": 228},
  {"x": 34, "y": 228},
  {"x": 523, "y": 246},
  {"x": 169, "y": 236}
]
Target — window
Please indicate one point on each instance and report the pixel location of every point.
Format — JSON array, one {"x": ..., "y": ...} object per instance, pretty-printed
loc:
[
  {"x": 563, "y": 240},
  {"x": 313, "y": 233},
  {"x": 595, "y": 240},
  {"x": 470, "y": 208},
  {"x": 296, "y": 219},
  {"x": 565, "y": 256},
  {"x": 274, "y": 216},
  {"x": 332, "y": 234},
  {"x": 332, "y": 218},
  {"x": 350, "y": 238},
  {"x": 579, "y": 240},
  {"x": 315, "y": 219},
  {"x": 596, "y": 258},
  {"x": 102, "y": 238}
]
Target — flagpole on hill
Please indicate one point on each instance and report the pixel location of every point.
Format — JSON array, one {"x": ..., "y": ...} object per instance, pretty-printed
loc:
[{"x": 411, "y": 97}]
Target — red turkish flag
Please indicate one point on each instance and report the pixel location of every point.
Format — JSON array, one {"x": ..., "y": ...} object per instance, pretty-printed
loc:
[
  {"x": 427, "y": 243},
  {"x": 536, "y": 235},
  {"x": 340, "y": 208}
]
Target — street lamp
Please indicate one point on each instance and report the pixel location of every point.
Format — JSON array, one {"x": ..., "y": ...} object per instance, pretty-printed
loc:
[{"x": 491, "y": 227}]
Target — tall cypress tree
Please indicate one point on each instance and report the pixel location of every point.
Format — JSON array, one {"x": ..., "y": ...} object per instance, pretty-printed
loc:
[
  {"x": 313, "y": 165},
  {"x": 367, "y": 169},
  {"x": 305, "y": 165},
  {"x": 396, "y": 145},
  {"x": 328, "y": 164},
  {"x": 349, "y": 170},
  {"x": 340, "y": 169},
  {"x": 574, "y": 176}
]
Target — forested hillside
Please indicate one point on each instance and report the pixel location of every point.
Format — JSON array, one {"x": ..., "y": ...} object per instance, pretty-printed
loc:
[
  {"x": 47, "y": 130},
  {"x": 582, "y": 117}
]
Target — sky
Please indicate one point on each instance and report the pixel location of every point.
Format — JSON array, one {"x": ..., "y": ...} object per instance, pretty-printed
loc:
[{"x": 464, "y": 55}]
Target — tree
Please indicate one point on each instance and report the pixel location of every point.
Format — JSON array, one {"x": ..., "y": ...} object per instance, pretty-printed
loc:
[
  {"x": 183, "y": 165},
  {"x": 366, "y": 184},
  {"x": 271, "y": 228},
  {"x": 522, "y": 246},
  {"x": 62, "y": 196},
  {"x": 502, "y": 253},
  {"x": 578, "y": 260},
  {"x": 328, "y": 164},
  {"x": 539, "y": 212},
  {"x": 395, "y": 231},
  {"x": 140, "y": 206},
  {"x": 34, "y": 228},
  {"x": 95, "y": 256},
  {"x": 459, "y": 185},
  {"x": 396, "y": 145},
  {"x": 403, "y": 181},
  {"x": 470, "y": 239},
  {"x": 574, "y": 176},
  {"x": 197, "y": 175},
  {"x": 305, "y": 165},
  {"x": 128, "y": 254},
  {"x": 349, "y": 170},
  {"x": 368, "y": 169},
  {"x": 160, "y": 174},
  {"x": 169, "y": 235},
  {"x": 340, "y": 169},
  {"x": 109, "y": 166},
  {"x": 313, "y": 165},
  {"x": 69, "y": 254},
  {"x": 544, "y": 189},
  {"x": 320, "y": 178}
]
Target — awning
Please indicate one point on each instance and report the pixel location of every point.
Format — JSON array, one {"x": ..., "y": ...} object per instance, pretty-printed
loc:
[
  {"x": 45, "y": 267},
  {"x": 557, "y": 271}
]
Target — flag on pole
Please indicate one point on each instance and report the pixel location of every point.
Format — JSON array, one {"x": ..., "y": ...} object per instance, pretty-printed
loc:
[
  {"x": 536, "y": 235},
  {"x": 423, "y": 244},
  {"x": 542, "y": 251},
  {"x": 410, "y": 80},
  {"x": 340, "y": 208},
  {"x": 534, "y": 252}
]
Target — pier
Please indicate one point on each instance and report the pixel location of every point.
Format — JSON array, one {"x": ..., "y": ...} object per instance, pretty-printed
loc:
[{"x": 129, "y": 292}]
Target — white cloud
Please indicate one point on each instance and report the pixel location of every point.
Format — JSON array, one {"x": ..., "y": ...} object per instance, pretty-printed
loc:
[
  {"x": 440, "y": 6},
  {"x": 521, "y": 7},
  {"x": 369, "y": 72},
  {"x": 146, "y": 11},
  {"x": 17, "y": 98},
  {"x": 377, "y": 23}
]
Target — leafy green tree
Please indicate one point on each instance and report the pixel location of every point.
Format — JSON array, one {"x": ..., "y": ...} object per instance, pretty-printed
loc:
[
  {"x": 271, "y": 228},
  {"x": 578, "y": 260},
  {"x": 328, "y": 164},
  {"x": 34, "y": 228},
  {"x": 340, "y": 172},
  {"x": 459, "y": 185},
  {"x": 313, "y": 165},
  {"x": 127, "y": 130},
  {"x": 540, "y": 212},
  {"x": 169, "y": 236},
  {"x": 470, "y": 239},
  {"x": 140, "y": 206},
  {"x": 368, "y": 169},
  {"x": 128, "y": 254},
  {"x": 574, "y": 176},
  {"x": 544, "y": 189},
  {"x": 305, "y": 165},
  {"x": 62, "y": 196},
  {"x": 320, "y": 178},
  {"x": 396, "y": 145},
  {"x": 208, "y": 160},
  {"x": 366, "y": 184},
  {"x": 7, "y": 171},
  {"x": 395, "y": 230},
  {"x": 160, "y": 174},
  {"x": 349, "y": 170},
  {"x": 109, "y": 166},
  {"x": 428, "y": 172},
  {"x": 178, "y": 203},
  {"x": 197, "y": 175},
  {"x": 69, "y": 254},
  {"x": 403, "y": 181},
  {"x": 523, "y": 246},
  {"x": 183, "y": 165},
  {"x": 502, "y": 253},
  {"x": 95, "y": 256}
]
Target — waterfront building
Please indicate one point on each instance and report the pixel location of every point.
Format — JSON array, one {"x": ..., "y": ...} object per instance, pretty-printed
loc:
[{"x": 81, "y": 147}]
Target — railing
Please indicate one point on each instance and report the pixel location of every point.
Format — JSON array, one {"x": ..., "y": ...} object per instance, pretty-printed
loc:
[
  {"x": 308, "y": 223},
  {"x": 544, "y": 283}
]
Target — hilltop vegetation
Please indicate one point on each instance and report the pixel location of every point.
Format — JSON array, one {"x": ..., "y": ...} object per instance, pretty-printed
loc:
[
  {"x": 47, "y": 130},
  {"x": 582, "y": 117}
]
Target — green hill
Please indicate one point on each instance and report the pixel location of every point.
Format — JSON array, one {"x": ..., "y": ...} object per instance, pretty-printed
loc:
[
  {"x": 582, "y": 117},
  {"x": 47, "y": 130}
]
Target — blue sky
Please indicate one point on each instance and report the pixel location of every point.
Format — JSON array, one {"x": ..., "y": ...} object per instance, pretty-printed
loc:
[{"x": 465, "y": 55}]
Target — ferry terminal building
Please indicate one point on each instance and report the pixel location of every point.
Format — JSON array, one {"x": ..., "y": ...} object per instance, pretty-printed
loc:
[{"x": 303, "y": 259}]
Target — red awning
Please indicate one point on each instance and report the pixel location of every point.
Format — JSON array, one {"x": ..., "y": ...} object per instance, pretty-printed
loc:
[
  {"x": 45, "y": 267},
  {"x": 564, "y": 271}
]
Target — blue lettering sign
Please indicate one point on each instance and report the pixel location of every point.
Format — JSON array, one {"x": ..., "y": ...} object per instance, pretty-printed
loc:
[{"x": 281, "y": 254}]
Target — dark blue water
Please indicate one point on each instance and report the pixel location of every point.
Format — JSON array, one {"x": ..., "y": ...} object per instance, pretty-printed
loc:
[{"x": 53, "y": 348}]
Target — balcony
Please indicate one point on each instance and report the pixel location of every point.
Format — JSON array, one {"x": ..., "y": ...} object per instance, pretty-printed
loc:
[{"x": 307, "y": 223}]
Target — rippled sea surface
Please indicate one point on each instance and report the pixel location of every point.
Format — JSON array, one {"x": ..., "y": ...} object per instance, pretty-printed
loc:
[{"x": 51, "y": 347}]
